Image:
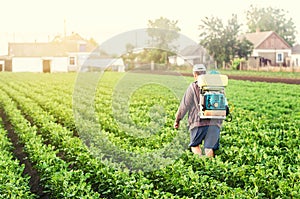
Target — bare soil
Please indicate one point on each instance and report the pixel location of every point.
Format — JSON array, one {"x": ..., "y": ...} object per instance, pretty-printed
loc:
[
  {"x": 260, "y": 79},
  {"x": 236, "y": 77},
  {"x": 265, "y": 79}
]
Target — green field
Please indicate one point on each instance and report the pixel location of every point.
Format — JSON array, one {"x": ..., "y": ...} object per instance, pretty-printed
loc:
[{"x": 134, "y": 152}]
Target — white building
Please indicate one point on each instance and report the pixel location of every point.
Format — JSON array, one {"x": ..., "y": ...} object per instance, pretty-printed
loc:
[
  {"x": 36, "y": 57},
  {"x": 56, "y": 57},
  {"x": 194, "y": 54},
  {"x": 60, "y": 55}
]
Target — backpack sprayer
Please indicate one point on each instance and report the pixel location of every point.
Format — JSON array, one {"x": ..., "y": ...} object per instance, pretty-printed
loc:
[{"x": 213, "y": 103}]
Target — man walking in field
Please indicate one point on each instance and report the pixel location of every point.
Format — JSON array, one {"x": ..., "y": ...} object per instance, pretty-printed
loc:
[{"x": 207, "y": 130}]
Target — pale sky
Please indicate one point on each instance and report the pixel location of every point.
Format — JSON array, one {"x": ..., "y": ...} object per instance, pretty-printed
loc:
[{"x": 41, "y": 20}]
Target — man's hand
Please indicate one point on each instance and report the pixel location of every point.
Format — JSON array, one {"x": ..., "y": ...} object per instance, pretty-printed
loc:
[{"x": 176, "y": 124}]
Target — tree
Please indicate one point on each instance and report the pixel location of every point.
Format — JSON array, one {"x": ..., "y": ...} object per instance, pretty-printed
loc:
[
  {"x": 244, "y": 48},
  {"x": 210, "y": 37},
  {"x": 271, "y": 19},
  {"x": 221, "y": 41},
  {"x": 129, "y": 47},
  {"x": 93, "y": 42},
  {"x": 129, "y": 56},
  {"x": 162, "y": 32}
]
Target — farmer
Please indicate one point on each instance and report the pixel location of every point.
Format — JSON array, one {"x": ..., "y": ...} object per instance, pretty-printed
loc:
[{"x": 207, "y": 130}]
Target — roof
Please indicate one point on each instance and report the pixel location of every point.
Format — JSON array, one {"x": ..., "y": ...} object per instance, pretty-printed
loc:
[
  {"x": 40, "y": 49},
  {"x": 60, "y": 46},
  {"x": 257, "y": 38},
  {"x": 193, "y": 50}
]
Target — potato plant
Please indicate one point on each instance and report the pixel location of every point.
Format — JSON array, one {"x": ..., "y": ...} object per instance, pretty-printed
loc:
[
  {"x": 12, "y": 182},
  {"x": 259, "y": 154}
]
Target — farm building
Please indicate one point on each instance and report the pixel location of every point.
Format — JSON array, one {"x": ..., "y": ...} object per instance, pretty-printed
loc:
[
  {"x": 194, "y": 54},
  {"x": 269, "y": 49},
  {"x": 45, "y": 57},
  {"x": 63, "y": 54},
  {"x": 37, "y": 57},
  {"x": 54, "y": 57}
]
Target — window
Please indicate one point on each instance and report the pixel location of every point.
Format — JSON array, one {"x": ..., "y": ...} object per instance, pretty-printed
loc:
[
  {"x": 72, "y": 61},
  {"x": 279, "y": 57}
]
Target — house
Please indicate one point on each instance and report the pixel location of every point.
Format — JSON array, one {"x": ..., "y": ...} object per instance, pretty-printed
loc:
[
  {"x": 37, "y": 57},
  {"x": 61, "y": 55},
  {"x": 56, "y": 57},
  {"x": 193, "y": 54},
  {"x": 269, "y": 49}
]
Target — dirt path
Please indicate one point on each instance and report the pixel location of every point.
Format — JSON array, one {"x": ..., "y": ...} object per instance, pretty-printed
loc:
[
  {"x": 260, "y": 79},
  {"x": 265, "y": 79},
  {"x": 236, "y": 77}
]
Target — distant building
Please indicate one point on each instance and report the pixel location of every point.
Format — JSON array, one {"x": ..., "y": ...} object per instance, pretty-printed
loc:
[
  {"x": 37, "y": 57},
  {"x": 63, "y": 54},
  {"x": 194, "y": 54},
  {"x": 269, "y": 49},
  {"x": 296, "y": 55}
]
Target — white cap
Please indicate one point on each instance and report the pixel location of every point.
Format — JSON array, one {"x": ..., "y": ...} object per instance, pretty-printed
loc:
[{"x": 199, "y": 67}]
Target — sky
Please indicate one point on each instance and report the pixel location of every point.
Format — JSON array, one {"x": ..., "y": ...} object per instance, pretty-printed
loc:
[{"x": 41, "y": 20}]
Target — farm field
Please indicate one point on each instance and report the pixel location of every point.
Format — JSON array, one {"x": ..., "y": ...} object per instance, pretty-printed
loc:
[{"x": 112, "y": 147}]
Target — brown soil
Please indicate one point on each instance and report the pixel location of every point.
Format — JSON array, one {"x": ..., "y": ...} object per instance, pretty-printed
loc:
[
  {"x": 236, "y": 77},
  {"x": 34, "y": 182},
  {"x": 265, "y": 79},
  {"x": 260, "y": 79}
]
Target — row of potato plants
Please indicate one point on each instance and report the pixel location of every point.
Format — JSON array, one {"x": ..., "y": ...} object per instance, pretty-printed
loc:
[
  {"x": 105, "y": 180},
  {"x": 13, "y": 183},
  {"x": 156, "y": 181},
  {"x": 255, "y": 146},
  {"x": 262, "y": 136},
  {"x": 47, "y": 103},
  {"x": 57, "y": 179}
]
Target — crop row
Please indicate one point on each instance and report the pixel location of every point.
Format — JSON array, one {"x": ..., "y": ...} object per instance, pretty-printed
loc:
[
  {"x": 105, "y": 180},
  {"x": 259, "y": 155},
  {"x": 57, "y": 178},
  {"x": 13, "y": 184},
  {"x": 122, "y": 185}
]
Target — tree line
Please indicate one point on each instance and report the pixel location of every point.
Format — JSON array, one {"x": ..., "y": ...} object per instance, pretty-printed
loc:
[{"x": 221, "y": 40}]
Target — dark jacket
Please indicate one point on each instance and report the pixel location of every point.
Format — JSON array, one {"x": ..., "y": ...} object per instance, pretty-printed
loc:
[{"x": 190, "y": 104}]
